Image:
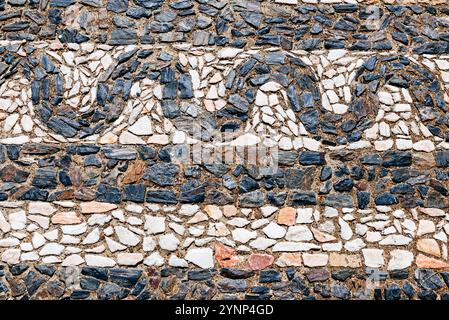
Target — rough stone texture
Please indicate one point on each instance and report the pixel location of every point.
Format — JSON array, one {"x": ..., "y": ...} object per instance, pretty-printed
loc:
[{"x": 281, "y": 149}]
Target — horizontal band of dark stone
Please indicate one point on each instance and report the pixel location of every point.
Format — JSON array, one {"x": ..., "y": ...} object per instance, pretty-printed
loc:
[
  {"x": 25, "y": 281},
  {"x": 116, "y": 173},
  {"x": 306, "y": 27}
]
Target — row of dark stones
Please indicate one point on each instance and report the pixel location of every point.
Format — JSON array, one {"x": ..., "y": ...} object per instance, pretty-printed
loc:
[
  {"x": 210, "y": 22},
  {"x": 117, "y": 173},
  {"x": 23, "y": 281}
]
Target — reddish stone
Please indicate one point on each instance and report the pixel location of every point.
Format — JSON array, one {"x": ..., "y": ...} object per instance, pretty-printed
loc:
[
  {"x": 423, "y": 261},
  {"x": 287, "y": 216},
  {"x": 225, "y": 256},
  {"x": 258, "y": 261}
]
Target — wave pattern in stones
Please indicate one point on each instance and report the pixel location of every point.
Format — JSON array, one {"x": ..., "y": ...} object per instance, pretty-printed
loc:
[{"x": 128, "y": 128}]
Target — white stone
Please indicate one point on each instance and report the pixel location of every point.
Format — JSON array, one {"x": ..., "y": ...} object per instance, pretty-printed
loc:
[
  {"x": 38, "y": 240},
  {"x": 126, "y": 237},
  {"x": 246, "y": 139},
  {"x": 425, "y": 227},
  {"x": 9, "y": 242},
  {"x": 395, "y": 240},
  {"x": 17, "y": 220},
  {"x": 92, "y": 237},
  {"x": 304, "y": 215},
  {"x": 174, "y": 261},
  {"x": 228, "y": 52},
  {"x": 11, "y": 256},
  {"x": 75, "y": 229},
  {"x": 261, "y": 243},
  {"x": 129, "y": 259},
  {"x": 72, "y": 260},
  {"x": 128, "y": 138},
  {"x": 299, "y": 233},
  {"x": 355, "y": 245},
  {"x": 202, "y": 257},
  {"x": 287, "y": 246},
  {"x": 154, "y": 225},
  {"x": 400, "y": 259},
  {"x": 315, "y": 260},
  {"x": 51, "y": 248},
  {"x": 142, "y": 127},
  {"x": 274, "y": 231},
  {"x": 168, "y": 242},
  {"x": 43, "y": 208},
  {"x": 424, "y": 145},
  {"x": 382, "y": 145},
  {"x": 114, "y": 245},
  {"x": 345, "y": 229},
  {"x": 271, "y": 86},
  {"x": 268, "y": 210},
  {"x": 99, "y": 261},
  {"x": 373, "y": 257},
  {"x": 154, "y": 259},
  {"x": 242, "y": 235}
]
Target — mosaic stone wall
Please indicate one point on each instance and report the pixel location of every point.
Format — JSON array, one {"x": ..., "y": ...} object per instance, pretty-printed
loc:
[{"x": 281, "y": 149}]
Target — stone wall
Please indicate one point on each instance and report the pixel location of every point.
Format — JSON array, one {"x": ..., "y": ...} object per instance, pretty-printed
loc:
[{"x": 282, "y": 149}]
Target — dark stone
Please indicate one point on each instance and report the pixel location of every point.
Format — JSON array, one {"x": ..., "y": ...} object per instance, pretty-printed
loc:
[
  {"x": 236, "y": 273},
  {"x": 340, "y": 291},
  {"x": 55, "y": 288},
  {"x": 312, "y": 158},
  {"x": 97, "y": 273},
  {"x": 134, "y": 192},
  {"x": 109, "y": 291},
  {"x": 343, "y": 274},
  {"x": 89, "y": 283},
  {"x": 18, "y": 269},
  {"x": 161, "y": 196},
  {"x": 45, "y": 178},
  {"x": 363, "y": 199},
  {"x": 248, "y": 184},
  {"x": 338, "y": 201},
  {"x": 268, "y": 276},
  {"x": 117, "y": 6},
  {"x": 192, "y": 191},
  {"x": 428, "y": 279},
  {"x": 397, "y": 159},
  {"x": 393, "y": 292},
  {"x": 232, "y": 285},
  {"x": 125, "y": 277},
  {"x": 45, "y": 269},
  {"x": 385, "y": 199},
  {"x": 299, "y": 198},
  {"x": 106, "y": 193},
  {"x": 344, "y": 185},
  {"x": 317, "y": 275},
  {"x": 33, "y": 281},
  {"x": 201, "y": 274},
  {"x": 252, "y": 199},
  {"x": 163, "y": 174}
]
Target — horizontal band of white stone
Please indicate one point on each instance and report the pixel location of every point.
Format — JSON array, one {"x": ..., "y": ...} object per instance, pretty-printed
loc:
[{"x": 103, "y": 234}]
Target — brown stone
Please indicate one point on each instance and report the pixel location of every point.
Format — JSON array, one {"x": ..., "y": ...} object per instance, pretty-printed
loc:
[
  {"x": 66, "y": 218},
  {"x": 423, "y": 160},
  {"x": 423, "y": 261},
  {"x": 85, "y": 194},
  {"x": 225, "y": 256},
  {"x": 429, "y": 246},
  {"x": 287, "y": 216},
  {"x": 229, "y": 210},
  {"x": 96, "y": 207},
  {"x": 345, "y": 260},
  {"x": 259, "y": 261},
  {"x": 10, "y": 173},
  {"x": 289, "y": 259},
  {"x": 134, "y": 172},
  {"x": 433, "y": 212}
]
